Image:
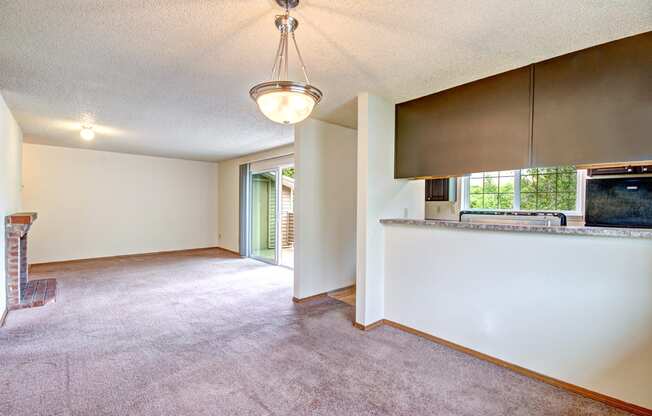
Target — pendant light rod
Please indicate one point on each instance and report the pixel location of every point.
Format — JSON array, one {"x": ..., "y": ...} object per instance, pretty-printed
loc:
[
  {"x": 286, "y": 24},
  {"x": 276, "y": 58},
  {"x": 303, "y": 66},
  {"x": 287, "y": 56}
]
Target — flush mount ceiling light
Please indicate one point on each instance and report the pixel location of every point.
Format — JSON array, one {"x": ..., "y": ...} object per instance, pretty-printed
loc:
[
  {"x": 87, "y": 133},
  {"x": 282, "y": 100}
]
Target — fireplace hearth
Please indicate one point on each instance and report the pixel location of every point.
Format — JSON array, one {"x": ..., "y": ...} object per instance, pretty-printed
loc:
[{"x": 21, "y": 292}]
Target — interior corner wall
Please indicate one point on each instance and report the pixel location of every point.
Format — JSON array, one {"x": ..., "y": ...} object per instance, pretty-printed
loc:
[
  {"x": 98, "y": 204},
  {"x": 11, "y": 140},
  {"x": 325, "y": 204},
  {"x": 229, "y": 192},
  {"x": 379, "y": 196}
]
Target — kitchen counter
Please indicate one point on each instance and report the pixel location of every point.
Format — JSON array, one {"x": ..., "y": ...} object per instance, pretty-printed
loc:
[
  {"x": 561, "y": 301},
  {"x": 568, "y": 230}
]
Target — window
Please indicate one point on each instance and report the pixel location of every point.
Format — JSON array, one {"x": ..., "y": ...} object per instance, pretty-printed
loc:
[
  {"x": 492, "y": 190},
  {"x": 541, "y": 189}
]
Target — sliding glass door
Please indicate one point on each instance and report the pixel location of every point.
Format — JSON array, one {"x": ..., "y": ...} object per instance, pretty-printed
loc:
[
  {"x": 269, "y": 224},
  {"x": 264, "y": 208}
]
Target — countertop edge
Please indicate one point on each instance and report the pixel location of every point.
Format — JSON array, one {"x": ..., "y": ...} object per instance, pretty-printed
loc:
[{"x": 636, "y": 233}]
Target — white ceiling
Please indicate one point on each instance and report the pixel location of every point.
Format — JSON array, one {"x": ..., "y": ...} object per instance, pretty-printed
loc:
[{"x": 171, "y": 77}]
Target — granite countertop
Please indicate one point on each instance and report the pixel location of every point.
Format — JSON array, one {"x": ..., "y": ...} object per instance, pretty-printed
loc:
[{"x": 568, "y": 230}]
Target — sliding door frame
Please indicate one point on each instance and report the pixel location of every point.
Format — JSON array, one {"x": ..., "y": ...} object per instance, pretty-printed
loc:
[
  {"x": 280, "y": 213},
  {"x": 277, "y": 237}
]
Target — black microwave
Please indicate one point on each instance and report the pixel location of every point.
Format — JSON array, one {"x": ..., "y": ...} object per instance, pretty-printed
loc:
[{"x": 619, "y": 202}]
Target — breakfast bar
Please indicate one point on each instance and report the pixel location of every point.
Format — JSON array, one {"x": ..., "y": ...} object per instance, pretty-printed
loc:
[{"x": 569, "y": 303}]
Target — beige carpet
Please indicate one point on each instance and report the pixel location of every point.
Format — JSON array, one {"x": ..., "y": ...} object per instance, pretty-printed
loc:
[{"x": 209, "y": 334}]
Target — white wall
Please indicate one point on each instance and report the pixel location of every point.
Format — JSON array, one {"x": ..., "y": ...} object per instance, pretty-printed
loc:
[
  {"x": 96, "y": 204},
  {"x": 11, "y": 140},
  {"x": 379, "y": 195},
  {"x": 229, "y": 192},
  {"x": 575, "y": 308},
  {"x": 325, "y": 160}
]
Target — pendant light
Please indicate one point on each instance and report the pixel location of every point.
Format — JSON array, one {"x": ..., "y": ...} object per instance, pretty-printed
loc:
[{"x": 282, "y": 100}]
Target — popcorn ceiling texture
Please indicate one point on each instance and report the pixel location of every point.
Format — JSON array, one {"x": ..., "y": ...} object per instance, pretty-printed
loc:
[
  {"x": 206, "y": 333},
  {"x": 171, "y": 78}
]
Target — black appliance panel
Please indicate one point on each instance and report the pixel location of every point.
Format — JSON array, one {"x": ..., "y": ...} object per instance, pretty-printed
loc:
[{"x": 619, "y": 202}]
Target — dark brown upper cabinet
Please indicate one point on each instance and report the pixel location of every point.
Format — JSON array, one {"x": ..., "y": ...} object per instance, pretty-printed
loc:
[
  {"x": 594, "y": 105},
  {"x": 588, "y": 107},
  {"x": 476, "y": 127}
]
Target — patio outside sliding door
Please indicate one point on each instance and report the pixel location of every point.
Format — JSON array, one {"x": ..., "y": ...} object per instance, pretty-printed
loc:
[{"x": 264, "y": 208}]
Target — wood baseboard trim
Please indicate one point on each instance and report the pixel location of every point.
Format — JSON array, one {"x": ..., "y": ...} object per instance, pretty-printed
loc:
[
  {"x": 229, "y": 251},
  {"x": 369, "y": 327},
  {"x": 124, "y": 256},
  {"x": 3, "y": 317},
  {"x": 610, "y": 401},
  {"x": 309, "y": 298},
  {"x": 320, "y": 295}
]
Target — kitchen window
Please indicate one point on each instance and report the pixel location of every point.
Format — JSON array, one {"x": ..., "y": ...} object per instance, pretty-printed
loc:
[{"x": 539, "y": 189}]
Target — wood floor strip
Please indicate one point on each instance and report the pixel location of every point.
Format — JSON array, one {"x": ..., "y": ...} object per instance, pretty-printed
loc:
[
  {"x": 321, "y": 295},
  {"x": 346, "y": 295}
]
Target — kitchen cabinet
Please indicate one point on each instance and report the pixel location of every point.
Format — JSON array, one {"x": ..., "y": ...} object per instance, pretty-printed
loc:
[
  {"x": 587, "y": 107},
  {"x": 480, "y": 126},
  {"x": 594, "y": 105},
  {"x": 441, "y": 190}
]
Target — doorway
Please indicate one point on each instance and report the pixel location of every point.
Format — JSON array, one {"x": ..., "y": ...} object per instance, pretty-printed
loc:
[{"x": 271, "y": 215}]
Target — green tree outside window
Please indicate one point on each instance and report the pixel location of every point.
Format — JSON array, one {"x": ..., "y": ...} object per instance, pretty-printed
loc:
[{"x": 540, "y": 189}]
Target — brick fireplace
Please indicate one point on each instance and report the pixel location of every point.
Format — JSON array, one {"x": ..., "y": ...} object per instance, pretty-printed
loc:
[{"x": 21, "y": 292}]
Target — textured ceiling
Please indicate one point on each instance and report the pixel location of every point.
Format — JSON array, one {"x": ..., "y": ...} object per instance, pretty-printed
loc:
[{"x": 171, "y": 77}]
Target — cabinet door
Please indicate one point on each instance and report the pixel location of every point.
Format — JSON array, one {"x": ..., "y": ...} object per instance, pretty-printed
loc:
[
  {"x": 437, "y": 189},
  {"x": 594, "y": 105},
  {"x": 476, "y": 127}
]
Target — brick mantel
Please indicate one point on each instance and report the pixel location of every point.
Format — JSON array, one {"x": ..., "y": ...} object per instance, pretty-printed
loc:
[{"x": 21, "y": 220}]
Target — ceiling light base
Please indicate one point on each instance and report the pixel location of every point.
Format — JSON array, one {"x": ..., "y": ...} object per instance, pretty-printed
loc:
[
  {"x": 285, "y": 23},
  {"x": 289, "y": 4}
]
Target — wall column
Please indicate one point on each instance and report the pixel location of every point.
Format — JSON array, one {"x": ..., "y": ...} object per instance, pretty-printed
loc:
[{"x": 379, "y": 195}]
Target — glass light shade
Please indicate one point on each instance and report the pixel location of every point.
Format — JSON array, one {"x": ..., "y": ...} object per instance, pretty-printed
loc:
[
  {"x": 286, "y": 107},
  {"x": 285, "y": 102},
  {"x": 87, "y": 134}
]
